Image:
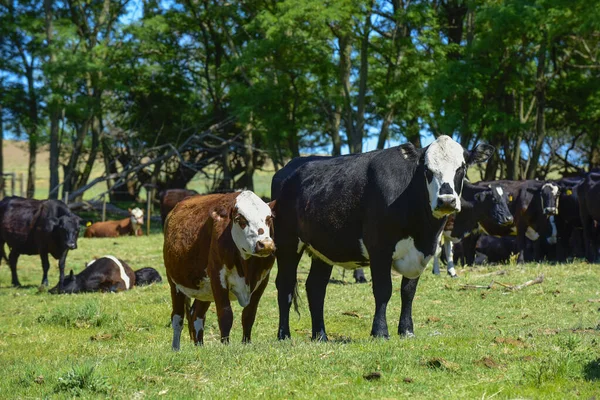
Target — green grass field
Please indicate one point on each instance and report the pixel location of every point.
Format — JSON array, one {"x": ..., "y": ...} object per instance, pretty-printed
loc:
[{"x": 540, "y": 342}]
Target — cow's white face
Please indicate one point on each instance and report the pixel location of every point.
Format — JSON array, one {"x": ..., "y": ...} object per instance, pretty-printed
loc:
[
  {"x": 252, "y": 225},
  {"x": 550, "y": 196},
  {"x": 446, "y": 164},
  {"x": 137, "y": 216},
  {"x": 445, "y": 168}
]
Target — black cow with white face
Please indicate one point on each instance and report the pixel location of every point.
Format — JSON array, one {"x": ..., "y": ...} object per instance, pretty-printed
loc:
[
  {"x": 382, "y": 209},
  {"x": 41, "y": 227},
  {"x": 589, "y": 208},
  {"x": 477, "y": 202}
]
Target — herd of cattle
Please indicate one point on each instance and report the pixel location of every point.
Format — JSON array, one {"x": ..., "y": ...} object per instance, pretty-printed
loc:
[{"x": 395, "y": 208}]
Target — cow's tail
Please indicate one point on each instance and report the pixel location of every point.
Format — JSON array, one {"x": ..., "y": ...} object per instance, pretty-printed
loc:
[
  {"x": 2, "y": 253},
  {"x": 295, "y": 298}
]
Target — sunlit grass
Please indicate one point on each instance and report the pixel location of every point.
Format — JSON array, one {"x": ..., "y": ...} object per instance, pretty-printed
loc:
[{"x": 540, "y": 342}]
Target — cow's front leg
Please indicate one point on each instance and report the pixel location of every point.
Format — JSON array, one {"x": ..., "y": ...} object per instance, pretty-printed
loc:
[
  {"x": 61, "y": 267},
  {"x": 224, "y": 311},
  {"x": 316, "y": 287},
  {"x": 13, "y": 257},
  {"x": 449, "y": 257},
  {"x": 249, "y": 313},
  {"x": 45, "y": 268},
  {"x": 381, "y": 275},
  {"x": 408, "y": 289},
  {"x": 197, "y": 321}
]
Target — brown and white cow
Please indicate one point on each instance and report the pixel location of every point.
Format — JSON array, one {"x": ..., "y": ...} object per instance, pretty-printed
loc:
[
  {"x": 131, "y": 225},
  {"x": 218, "y": 247}
]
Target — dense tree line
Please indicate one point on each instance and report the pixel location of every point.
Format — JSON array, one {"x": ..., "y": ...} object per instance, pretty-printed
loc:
[{"x": 101, "y": 80}]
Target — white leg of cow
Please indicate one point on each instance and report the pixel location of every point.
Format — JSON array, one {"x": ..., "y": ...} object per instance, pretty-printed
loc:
[
  {"x": 177, "y": 323},
  {"x": 449, "y": 257}
]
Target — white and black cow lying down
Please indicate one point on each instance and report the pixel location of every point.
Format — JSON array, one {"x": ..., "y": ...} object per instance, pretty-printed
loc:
[
  {"x": 107, "y": 274},
  {"x": 382, "y": 209},
  {"x": 477, "y": 203}
]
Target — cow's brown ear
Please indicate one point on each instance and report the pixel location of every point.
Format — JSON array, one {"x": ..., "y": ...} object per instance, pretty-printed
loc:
[{"x": 272, "y": 206}]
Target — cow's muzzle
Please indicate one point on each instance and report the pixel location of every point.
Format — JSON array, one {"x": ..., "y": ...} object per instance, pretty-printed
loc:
[
  {"x": 72, "y": 245},
  {"x": 551, "y": 211},
  {"x": 508, "y": 220},
  {"x": 446, "y": 204},
  {"x": 264, "y": 247}
]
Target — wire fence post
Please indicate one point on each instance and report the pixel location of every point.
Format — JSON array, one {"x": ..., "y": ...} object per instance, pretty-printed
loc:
[
  {"x": 148, "y": 210},
  {"x": 21, "y": 186},
  {"x": 103, "y": 208}
]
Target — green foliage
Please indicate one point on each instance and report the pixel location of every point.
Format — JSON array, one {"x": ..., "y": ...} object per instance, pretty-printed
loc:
[{"x": 80, "y": 379}]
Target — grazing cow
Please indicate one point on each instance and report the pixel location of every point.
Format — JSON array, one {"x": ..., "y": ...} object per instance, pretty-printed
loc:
[
  {"x": 476, "y": 202},
  {"x": 146, "y": 276},
  {"x": 589, "y": 208},
  {"x": 281, "y": 175},
  {"x": 41, "y": 227},
  {"x": 380, "y": 209},
  {"x": 217, "y": 247},
  {"x": 169, "y": 198},
  {"x": 105, "y": 274},
  {"x": 131, "y": 225}
]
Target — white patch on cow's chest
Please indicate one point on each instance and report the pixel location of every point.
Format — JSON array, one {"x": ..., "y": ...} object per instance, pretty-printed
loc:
[
  {"x": 407, "y": 260},
  {"x": 499, "y": 190},
  {"x": 124, "y": 276},
  {"x": 236, "y": 284},
  {"x": 532, "y": 234},
  {"x": 203, "y": 292}
]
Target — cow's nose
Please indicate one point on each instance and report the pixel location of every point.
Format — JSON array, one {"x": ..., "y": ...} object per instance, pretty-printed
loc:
[
  {"x": 264, "y": 247},
  {"x": 446, "y": 202},
  {"x": 509, "y": 219},
  {"x": 72, "y": 246}
]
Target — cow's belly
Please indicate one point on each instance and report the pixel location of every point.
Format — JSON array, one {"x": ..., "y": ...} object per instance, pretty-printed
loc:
[
  {"x": 202, "y": 292},
  {"x": 361, "y": 262},
  {"x": 407, "y": 260}
]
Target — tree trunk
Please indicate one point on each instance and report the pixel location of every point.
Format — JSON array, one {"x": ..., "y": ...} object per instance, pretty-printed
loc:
[
  {"x": 248, "y": 157},
  {"x": 53, "y": 108},
  {"x": 413, "y": 132},
  {"x": 384, "y": 133},
  {"x": 334, "y": 130},
  {"x": 2, "y": 183},
  {"x": 31, "y": 165},
  {"x": 540, "y": 118}
]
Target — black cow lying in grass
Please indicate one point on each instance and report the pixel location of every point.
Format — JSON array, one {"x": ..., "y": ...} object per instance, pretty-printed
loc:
[
  {"x": 107, "y": 274},
  {"x": 41, "y": 227}
]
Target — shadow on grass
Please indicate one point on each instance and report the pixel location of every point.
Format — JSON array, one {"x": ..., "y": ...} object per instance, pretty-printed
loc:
[
  {"x": 592, "y": 370},
  {"x": 18, "y": 287}
]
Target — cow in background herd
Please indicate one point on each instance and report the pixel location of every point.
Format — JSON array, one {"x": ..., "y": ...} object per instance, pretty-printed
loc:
[
  {"x": 131, "y": 225},
  {"x": 169, "y": 199},
  {"x": 41, "y": 227}
]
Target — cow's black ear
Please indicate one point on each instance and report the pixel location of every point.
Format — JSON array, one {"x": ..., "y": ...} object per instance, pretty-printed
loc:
[
  {"x": 49, "y": 224},
  {"x": 409, "y": 152},
  {"x": 71, "y": 274},
  {"x": 480, "y": 196},
  {"x": 480, "y": 153}
]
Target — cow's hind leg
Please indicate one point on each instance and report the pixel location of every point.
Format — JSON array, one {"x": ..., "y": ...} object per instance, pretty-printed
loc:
[
  {"x": 316, "y": 287},
  {"x": 45, "y": 268},
  {"x": 288, "y": 257},
  {"x": 249, "y": 313},
  {"x": 197, "y": 320},
  {"x": 12, "y": 261},
  {"x": 408, "y": 289},
  {"x": 178, "y": 300}
]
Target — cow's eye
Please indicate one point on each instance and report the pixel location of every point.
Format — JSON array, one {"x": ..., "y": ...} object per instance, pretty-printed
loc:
[
  {"x": 241, "y": 221},
  {"x": 428, "y": 175}
]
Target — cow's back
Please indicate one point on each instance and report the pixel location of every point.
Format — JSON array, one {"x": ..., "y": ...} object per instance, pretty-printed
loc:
[
  {"x": 188, "y": 234},
  {"x": 285, "y": 172},
  {"x": 18, "y": 217},
  {"x": 169, "y": 199}
]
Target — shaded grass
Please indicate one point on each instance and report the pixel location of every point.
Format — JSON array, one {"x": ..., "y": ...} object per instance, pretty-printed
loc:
[{"x": 540, "y": 342}]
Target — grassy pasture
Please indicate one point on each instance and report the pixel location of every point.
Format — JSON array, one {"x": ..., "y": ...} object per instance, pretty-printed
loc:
[{"x": 540, "y": 342}]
